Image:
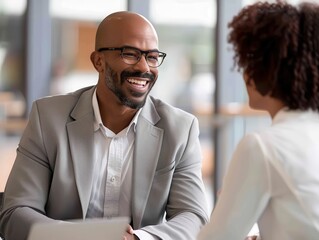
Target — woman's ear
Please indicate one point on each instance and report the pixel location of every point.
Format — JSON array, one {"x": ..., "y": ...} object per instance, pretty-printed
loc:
[
  {"x": 248, "y": 81},
  {"x": 97, "y": 61},
  {"x": 252, "y": 83}
]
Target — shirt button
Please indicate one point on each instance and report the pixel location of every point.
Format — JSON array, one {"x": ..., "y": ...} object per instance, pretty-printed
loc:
[{"x": 112, "y": 179}]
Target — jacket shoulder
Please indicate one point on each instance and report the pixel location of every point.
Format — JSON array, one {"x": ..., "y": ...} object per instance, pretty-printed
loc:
[{"x": 165, "y": 109}]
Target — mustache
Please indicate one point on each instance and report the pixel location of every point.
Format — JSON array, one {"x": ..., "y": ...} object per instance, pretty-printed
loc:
[{"x": 126, "y": 74}]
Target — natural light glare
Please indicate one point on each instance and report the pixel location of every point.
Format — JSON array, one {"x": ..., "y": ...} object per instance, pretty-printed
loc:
[
  {"x": 184, "y": 12},
  {"x": 86, "y": 10},
  {"x": 16, "y": 7},
  {"x": 247, "y": 2}
]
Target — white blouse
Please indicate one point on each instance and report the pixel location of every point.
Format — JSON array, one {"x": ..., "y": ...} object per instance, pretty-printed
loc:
[{"x": 273, "y": 179}]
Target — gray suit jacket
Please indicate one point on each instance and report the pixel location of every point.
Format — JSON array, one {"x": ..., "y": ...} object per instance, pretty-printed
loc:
[{"x": 52, "y": 175}]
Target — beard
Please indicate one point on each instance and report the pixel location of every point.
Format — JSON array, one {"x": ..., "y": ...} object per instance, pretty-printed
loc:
[{"x": 114, "y": 84}]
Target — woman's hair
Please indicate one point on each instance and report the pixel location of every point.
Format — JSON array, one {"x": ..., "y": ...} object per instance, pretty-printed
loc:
[{"x": 277, "y": 46}]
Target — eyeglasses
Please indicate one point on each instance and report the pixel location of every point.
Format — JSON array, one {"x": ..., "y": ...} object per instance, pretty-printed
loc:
[{"x": 131, "y": 55}]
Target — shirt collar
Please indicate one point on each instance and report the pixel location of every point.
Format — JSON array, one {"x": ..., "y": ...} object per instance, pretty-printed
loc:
[
  {"x": 98, "y": 120},
  {"x": 285, "y": 114}
]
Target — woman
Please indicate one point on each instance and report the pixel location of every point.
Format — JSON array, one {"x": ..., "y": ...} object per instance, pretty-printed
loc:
[{"x": 273, "y": 178}]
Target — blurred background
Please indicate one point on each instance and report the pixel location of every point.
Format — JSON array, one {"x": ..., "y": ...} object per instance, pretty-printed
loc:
[{"x": 45, "y": 47}]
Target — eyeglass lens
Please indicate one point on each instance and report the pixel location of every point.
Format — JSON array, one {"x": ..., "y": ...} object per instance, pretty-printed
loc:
[{"x": 132, "y": 56}]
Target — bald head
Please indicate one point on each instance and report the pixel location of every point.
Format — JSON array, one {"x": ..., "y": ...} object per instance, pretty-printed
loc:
[{"x": 124, "y": 29}]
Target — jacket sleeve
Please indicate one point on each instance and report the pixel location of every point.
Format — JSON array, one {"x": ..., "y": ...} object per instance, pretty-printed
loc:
[{"x": 30, "y": 177}]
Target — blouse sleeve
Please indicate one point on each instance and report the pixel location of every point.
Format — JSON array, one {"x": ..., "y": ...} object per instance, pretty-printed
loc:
[{"x": 244, "y": 194}]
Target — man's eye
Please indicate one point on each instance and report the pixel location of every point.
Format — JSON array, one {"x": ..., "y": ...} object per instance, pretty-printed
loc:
[
  {"x": 130, "y": 55},
  {"x": 153, "y": 58}
]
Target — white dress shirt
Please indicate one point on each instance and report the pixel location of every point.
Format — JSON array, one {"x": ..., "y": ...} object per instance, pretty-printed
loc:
[
  {"x": 112, "y": 183},
  {"x": 273, "y": 180}
]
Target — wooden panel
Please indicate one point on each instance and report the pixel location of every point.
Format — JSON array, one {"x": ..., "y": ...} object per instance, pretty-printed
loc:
[
  {"x": 86, "y": 43},
  {"x": 8, "y": 147}
]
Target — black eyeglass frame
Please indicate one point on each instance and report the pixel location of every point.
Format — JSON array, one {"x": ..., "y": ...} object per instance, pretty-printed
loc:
[{"x": 162, "y": 55}]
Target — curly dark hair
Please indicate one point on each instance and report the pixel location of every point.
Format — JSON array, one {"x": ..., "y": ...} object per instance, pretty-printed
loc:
[{"x": 277, "y": 46}]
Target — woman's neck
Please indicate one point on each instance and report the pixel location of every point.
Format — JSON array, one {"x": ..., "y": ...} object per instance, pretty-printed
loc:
[{"x": 274, "y": 106}]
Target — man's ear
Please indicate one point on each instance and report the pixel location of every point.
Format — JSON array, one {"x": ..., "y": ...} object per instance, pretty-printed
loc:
[{"x": 97, "y": 61}]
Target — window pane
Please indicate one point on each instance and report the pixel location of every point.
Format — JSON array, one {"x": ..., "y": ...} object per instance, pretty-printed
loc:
[
  {"x": 12, "y": 37},
  {"x": 186, "y": 31},
  {"x": 73, "y": 34},
  {"x": 12, "y": 88},
  {"x": 184, "y": 12},
  {"x": 94, "y": 10}
]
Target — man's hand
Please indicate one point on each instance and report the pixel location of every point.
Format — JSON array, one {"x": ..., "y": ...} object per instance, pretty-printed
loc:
[{"x": 129, "y": 235}]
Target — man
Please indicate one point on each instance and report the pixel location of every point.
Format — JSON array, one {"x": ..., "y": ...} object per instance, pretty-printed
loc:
[{"x": 111, "y": 150}]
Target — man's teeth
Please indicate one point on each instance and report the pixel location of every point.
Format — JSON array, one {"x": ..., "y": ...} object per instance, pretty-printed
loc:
[{"x": 138, "y": 82}]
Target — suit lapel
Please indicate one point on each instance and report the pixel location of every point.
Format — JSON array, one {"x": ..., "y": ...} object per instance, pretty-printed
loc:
[
  {"x": 147, "y": 149},
  {"x": 81, "y": 136}
]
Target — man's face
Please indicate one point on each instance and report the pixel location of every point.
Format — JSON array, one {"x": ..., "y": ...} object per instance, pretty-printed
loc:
[{"x": 130, "y": 84}]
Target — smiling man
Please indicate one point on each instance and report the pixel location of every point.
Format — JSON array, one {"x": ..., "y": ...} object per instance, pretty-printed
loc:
[{"x": 111, "y": 150}]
